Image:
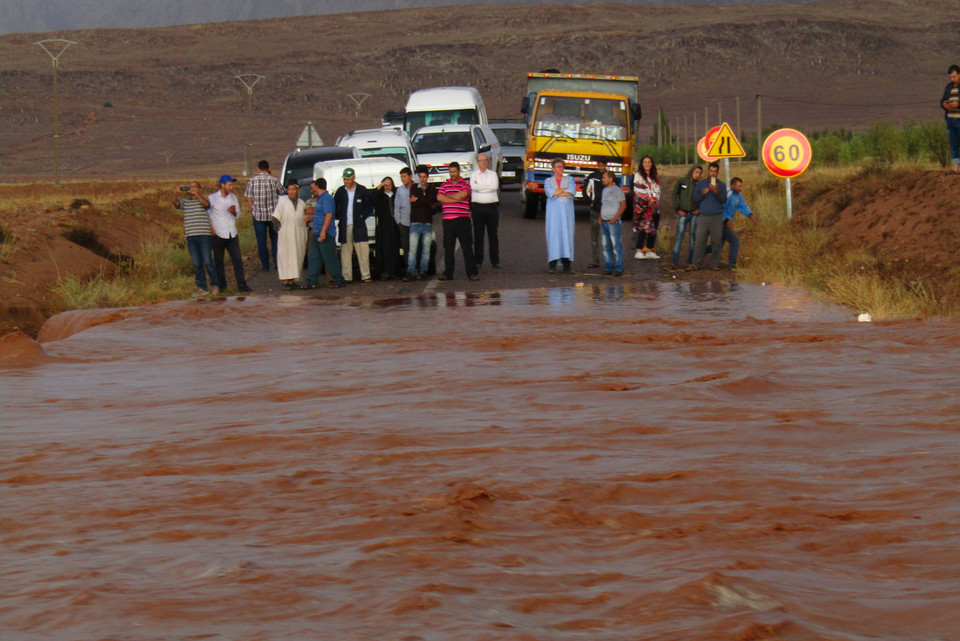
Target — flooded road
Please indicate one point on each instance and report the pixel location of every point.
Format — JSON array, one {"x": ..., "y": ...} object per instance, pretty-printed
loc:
[{"x": 688, "y": 461}]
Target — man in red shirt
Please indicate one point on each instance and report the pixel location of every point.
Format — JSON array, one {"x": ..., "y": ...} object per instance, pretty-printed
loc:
[{"x": 454, "y": 198}]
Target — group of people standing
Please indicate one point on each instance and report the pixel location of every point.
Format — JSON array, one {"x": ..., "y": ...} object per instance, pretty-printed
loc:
[{"x": 290, "y": 229}]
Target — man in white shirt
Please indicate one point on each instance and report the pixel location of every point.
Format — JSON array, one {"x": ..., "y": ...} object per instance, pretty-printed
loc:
[
  {"x": 485, "y": 210},
  {"x": 224, "y": 209}
]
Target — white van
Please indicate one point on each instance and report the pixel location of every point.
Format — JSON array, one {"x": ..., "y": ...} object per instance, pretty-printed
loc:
[
  {"x": 444, "y": 106},
  {"x": 438, "y": 146},
  {"x": 388, "y": 141},
  {"x": 369, "y": 173}
]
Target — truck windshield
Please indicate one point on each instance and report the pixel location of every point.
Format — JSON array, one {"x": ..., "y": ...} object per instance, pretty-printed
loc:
[
  {"x": 417, "y": 119},
  {"x": 581, "y": 118},
  {"x": 443, "y": 142}
]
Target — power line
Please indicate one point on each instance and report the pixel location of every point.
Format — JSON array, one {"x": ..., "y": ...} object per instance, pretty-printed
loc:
[{"x": 841, "y": 104}]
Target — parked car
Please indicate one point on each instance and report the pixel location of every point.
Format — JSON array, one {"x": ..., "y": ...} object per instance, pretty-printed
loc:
[
  {"x": 513, "y": 141},
  {"x": 438, "y": 146},
  {"x": 299, "y": 164},
  {"x": 388, "y": 141},
  {"x": 369, "y": 173}
]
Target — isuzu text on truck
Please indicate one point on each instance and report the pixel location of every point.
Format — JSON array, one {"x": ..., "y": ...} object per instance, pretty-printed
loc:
[{"x": 581, "y": 120}]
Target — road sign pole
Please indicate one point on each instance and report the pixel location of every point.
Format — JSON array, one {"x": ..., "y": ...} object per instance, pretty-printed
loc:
[
  {"x": 726, "y": 171},
  {"x": 789, "y": 201}
]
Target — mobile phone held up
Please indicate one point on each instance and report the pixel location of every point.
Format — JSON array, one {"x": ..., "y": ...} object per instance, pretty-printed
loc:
[
  {"x": 184, "y": 187},
  {"x": 713, "y": 181}
]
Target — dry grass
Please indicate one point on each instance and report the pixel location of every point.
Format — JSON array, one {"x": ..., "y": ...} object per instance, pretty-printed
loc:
[{"x": 802, "y": 252}]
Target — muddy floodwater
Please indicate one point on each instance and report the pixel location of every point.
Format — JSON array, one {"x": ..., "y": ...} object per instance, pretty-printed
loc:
[{"x": 665, "y": 461}]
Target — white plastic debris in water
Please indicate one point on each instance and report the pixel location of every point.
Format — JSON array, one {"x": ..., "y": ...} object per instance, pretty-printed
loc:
[{"x": 865, "y": 318}]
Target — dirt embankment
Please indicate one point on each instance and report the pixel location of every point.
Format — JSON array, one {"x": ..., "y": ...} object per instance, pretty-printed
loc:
[
  {"x": 904, "y": 222},
  {"x": 41, "y": 246}
]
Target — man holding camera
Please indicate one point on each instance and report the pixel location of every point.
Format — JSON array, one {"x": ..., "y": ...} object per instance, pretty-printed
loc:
[{"x": 196, "y": 224}]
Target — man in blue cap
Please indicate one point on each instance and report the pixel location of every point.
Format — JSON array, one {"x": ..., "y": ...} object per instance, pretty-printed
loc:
[{"x": 224, "y": 209}]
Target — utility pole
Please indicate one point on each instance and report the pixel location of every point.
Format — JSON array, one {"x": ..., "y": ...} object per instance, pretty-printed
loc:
[
  {"x": 358, "y": 99},
  {"x": 686, "y": 139},
  {"x": 696, "y": 139},
  {"x": 739, "y": 132},
  {"x": 249, "y": 80},
  {"x": 759, "y": 134},
  {"x": 61, "y": 45}
]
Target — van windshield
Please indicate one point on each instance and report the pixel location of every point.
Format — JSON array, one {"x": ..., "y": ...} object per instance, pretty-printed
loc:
[
  {"x": 443, "y": 142},
  {"x": 414, "y": 120},
  {"x": 581, "y": 118},
  {"x": 400, "y": 153}
]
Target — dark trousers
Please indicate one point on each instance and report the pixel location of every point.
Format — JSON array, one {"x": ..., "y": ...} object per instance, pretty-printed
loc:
[
  {"x": 486, "y": 217},
  {"x": 323, "y": 255},
  {"x": 263, "y": 231},
  {"x": 456, "y": 229},
  {"x": 404, "y": 245},
  {"x": 595, "y": 248},
  {"x": 232, "y": 245},
  {"x": 709, "y": 225}
]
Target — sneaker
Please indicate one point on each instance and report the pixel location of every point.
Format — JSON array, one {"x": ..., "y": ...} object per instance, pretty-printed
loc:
[
  {"x": 199, "y": 292},
  {"x": 215, "y": 291},
  {"x": 244, "y": 288},
  {"x": 639, "y": 255},
  {"x": 606, "y": 272},
  {"x": 617, "y": 273},
  {"x": 652, "y": 254}
]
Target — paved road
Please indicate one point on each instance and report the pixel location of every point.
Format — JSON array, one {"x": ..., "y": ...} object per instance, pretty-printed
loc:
[{"x": 523, "y": 261}]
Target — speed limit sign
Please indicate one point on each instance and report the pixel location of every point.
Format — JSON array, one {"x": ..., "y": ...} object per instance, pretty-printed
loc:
[{"x": 786, "y": 153}]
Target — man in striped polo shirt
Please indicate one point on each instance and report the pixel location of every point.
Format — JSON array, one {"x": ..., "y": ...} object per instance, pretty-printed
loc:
[
  {"x": 454, "y": 198},
  {"x": 950, "y": 103},
  {"x": 196, "y": 224}
]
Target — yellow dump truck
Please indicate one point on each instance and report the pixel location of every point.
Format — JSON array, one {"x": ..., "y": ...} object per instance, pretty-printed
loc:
[{"x": 580, "y": 119}]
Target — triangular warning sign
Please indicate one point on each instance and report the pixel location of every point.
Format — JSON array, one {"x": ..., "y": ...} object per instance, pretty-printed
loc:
[
  {"x": 309, "y": 137},
  {"x": 725, "y": 144}
]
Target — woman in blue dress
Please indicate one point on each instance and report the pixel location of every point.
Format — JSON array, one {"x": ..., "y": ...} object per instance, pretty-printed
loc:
[{"x": 560, "y": 191}]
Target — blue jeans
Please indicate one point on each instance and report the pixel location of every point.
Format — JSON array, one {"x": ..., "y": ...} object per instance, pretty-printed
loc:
[
  {"x": 263, "y": 230},
  {"x": 201, "y": 253},
  {"x": 688, "y": 224},
  {"x": 421, "y": 235},
  {"x": 612, "y": 242},
  {"x": 953, "y": 132}
]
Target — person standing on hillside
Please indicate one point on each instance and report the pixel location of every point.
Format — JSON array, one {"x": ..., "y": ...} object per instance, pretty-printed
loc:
[
  {"x": 593, "y": 190},
  {"x": 646, "y": 207},
  {"x": 709, "y": 195},
  {"x": 196, "y": 225},
  {"x": 354, "y": 204},
  {"x": 454, "y": 197},
  {"x": 261, "y": 194},
  {"x": 423, "y": 201},
  {"x": 950, "y": 103},
  {"x": 224, "y": 210},
  {"x": 735, "y": 202},
  {"x": 686, "y": 213},
  {"x": 485, "y": 210}
]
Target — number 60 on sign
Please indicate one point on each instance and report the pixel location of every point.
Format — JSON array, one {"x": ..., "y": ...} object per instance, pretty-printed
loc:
[{"x": 786, "y": 153}]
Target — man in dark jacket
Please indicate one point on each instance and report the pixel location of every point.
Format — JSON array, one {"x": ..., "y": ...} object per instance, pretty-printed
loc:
[
  {"x": 710, "y": 195},
  {"x": 686, "y": 212},
  {"x": 950, "y": 103},
  {"x": 354, "y": 203}
]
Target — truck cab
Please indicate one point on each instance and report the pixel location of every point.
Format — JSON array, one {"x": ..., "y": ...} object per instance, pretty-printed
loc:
[{"x": 581, "y": 120}]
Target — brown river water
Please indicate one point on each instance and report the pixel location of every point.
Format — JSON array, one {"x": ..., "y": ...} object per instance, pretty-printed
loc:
[{"x": 662, "y": 461}]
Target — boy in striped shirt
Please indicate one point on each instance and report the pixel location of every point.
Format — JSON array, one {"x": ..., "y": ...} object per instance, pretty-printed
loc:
[{"x": 454, "y": 198}]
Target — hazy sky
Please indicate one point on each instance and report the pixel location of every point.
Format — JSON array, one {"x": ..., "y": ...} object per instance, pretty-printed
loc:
[{"x": 32, "y": 16}]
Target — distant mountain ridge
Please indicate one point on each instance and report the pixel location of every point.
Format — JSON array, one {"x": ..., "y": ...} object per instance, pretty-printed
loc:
[{"x": 44, "y": 16}]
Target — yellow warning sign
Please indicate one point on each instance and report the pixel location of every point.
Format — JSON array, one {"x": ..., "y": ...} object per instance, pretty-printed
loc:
[{"x": 725, "y": 144}]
